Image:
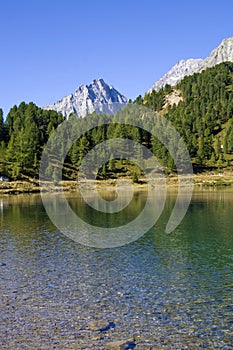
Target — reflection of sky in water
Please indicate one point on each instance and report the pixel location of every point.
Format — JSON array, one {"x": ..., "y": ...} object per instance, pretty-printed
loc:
[{"x": 164, "y": 290}]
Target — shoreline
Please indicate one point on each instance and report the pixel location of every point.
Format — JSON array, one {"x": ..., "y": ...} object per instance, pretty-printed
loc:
[{"x": 32, "y": 185}]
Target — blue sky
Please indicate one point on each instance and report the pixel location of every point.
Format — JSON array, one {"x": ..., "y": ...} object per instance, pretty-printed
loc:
[{"x": 49, "y": 48}]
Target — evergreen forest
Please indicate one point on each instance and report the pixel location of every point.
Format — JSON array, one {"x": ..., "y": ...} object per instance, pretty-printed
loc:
[{"x": 203, "y": 116}]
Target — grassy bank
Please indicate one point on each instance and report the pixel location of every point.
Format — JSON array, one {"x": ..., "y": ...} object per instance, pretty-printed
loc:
[{"x": 29, "y": 185}]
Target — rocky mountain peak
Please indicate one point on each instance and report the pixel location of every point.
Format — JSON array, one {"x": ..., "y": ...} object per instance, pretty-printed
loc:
[{"x": 97, "y": 97}]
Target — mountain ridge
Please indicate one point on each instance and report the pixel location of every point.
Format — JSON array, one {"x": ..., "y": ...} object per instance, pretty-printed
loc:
[
  {"x": 176, "y": 73},
  {"x": 222, "y": 53}
]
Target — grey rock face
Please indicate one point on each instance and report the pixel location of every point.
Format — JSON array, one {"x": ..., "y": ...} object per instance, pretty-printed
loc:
[
  {"x": 97, "y": 97},
  {"x": 223, "y": 53},
  {"x": 173, "y": 76}
]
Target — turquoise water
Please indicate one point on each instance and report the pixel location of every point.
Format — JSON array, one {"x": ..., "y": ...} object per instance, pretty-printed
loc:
[{"x": 163, "y": 291}]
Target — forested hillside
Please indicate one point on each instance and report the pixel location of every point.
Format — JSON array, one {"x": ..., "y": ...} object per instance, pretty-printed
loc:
[
  {"x": 202, "y": 114},
  {"x": 22, "y": 136}
]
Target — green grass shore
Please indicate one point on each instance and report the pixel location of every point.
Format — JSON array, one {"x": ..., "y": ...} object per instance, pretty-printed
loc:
[{"x": 30, "y": 185}]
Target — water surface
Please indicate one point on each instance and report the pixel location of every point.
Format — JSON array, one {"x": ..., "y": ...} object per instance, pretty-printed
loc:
[{"x": 164, "y": 291}]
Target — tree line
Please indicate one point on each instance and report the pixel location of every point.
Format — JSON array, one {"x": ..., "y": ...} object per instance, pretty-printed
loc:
[
  {"x": 22, "y": 138},
  {"x": 203, "y": 117}
]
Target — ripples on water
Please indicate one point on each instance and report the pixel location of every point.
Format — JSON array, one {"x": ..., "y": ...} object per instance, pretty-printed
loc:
[{"x": 163, "y": 291}]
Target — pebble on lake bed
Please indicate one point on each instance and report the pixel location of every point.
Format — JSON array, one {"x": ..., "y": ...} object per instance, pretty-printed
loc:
[
  {"x": 121, "y": 344},
  {"x": 101, "y": 325}
]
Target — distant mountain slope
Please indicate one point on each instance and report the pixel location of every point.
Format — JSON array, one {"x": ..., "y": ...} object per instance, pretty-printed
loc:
[
  {"x": 174, "y": 75},
  {"x": 202, "y": 113},
  {"x": 97, "y": 97},
  {"x": 223, "y": 53}
]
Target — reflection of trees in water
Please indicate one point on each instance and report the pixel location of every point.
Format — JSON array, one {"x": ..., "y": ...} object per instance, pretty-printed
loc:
[
  {"x": 204, "y": 238},
  {"x": 101, "y": 218},
  {"x": 24, "y": 219}
]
